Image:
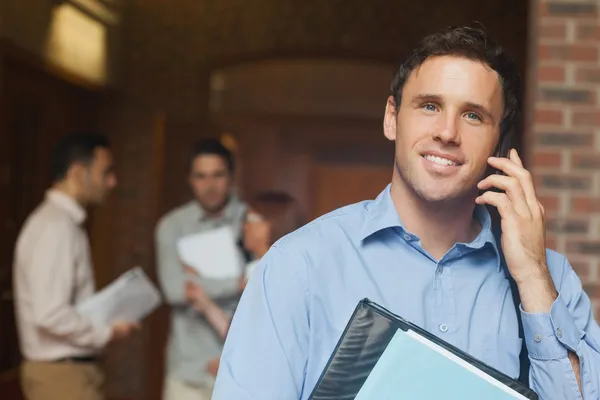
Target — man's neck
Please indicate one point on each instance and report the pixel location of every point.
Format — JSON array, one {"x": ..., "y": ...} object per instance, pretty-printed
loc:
[
  {"x": 215, "y": 213},
  {"x": 67, "y": 189},
  {"x": 438, "y": 225}
]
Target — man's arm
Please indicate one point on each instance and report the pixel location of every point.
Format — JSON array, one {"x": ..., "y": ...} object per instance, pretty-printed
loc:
[
  {"x": 214, "y": 315},
  {"x": 265, "y": 353},
  {"x": 561, "y": 334},
  {"x": 51, "y": 277},
  {"x": 563, "y": 343},
  {"x": 170, "y": 271}
]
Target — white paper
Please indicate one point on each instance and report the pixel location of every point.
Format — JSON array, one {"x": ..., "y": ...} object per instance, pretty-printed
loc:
[
  {"x": 213, "y": 254},
  {"x": 131, "y": 297}
]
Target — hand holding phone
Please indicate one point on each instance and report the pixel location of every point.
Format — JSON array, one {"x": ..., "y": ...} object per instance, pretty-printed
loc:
[{"x": 523, "y": 228}]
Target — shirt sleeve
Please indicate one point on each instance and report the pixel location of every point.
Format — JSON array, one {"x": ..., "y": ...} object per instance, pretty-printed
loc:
[
  {"x": 171, "y": 275},
  {"x": 51, "y": 276},
  {"x": 569, "y": 326},
  {"x": 265, "y": 353}
]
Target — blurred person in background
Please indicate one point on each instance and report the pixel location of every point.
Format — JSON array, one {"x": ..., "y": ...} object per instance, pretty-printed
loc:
[
  {"x": 193, "y": 343},
  {"x": 53, "y": 272},
  {"x": 272, "y": 215}
]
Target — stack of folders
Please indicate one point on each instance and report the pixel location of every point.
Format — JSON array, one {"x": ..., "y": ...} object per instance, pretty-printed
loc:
[{"x": 381, "y": 356}]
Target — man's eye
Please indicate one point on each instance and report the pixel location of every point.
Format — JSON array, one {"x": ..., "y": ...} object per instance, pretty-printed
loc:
[{"x": 473, "y": 116}]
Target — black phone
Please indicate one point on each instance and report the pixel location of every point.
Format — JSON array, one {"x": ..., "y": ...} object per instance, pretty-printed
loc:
[{"x": 504, "y": 146}]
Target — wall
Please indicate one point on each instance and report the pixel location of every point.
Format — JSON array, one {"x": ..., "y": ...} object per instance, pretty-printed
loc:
[{"x": 564, "y": 136}]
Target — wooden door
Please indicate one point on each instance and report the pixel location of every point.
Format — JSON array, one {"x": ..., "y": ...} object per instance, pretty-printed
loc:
[
  {"x": 35, "y": 110},
  {"x": 337, "y": 185}
]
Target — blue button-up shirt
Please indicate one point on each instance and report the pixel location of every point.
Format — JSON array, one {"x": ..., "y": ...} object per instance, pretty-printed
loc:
[{"x": 301, "y": 296}]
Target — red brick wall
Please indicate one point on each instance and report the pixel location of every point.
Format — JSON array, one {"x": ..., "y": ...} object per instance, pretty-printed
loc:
[{"x": 564, "y": 136}]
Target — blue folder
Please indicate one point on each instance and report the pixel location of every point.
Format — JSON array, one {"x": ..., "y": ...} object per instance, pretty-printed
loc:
[{"x": 381, "y": 356}]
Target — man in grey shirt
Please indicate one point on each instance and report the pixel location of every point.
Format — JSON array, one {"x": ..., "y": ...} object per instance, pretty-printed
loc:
[{"x": 192, "y": 341}]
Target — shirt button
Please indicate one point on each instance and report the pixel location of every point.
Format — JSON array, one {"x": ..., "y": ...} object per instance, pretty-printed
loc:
[
  {"x": 559, "y": 333},
  {"x": 537, "y": 338},
  {"x": 407, "y": 237},
  {"x": 443, "y": 327}
]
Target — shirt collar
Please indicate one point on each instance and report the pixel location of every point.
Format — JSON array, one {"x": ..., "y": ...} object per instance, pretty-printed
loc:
[
  {"x": 486, "y": 236},
  {"x": 68, "y": 204},
  {"x": 382, "y": 214}
]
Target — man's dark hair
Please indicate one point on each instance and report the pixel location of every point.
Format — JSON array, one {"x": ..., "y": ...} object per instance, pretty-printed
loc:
[
  {"x": 212, "y": 146},
  {"x": 473, "y": 44},
  {"x": 78, "y": 147}
]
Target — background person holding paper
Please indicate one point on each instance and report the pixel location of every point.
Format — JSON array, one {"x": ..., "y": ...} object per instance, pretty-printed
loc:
[
  {"x": 257, "y": 240},
  {"x": 53, "y": 272},
  {"x": 192, "y": 341},
  {"x": 424, "y": 248},
  {"x": 273, "y": 215}
]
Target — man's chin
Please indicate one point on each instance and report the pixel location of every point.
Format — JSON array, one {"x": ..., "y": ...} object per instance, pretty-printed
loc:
[
  {"x": 213, "y": 207},
  {"x": 448, "y": 194}
]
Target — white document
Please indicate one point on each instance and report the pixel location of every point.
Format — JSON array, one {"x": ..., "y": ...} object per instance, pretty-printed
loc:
[
  {"x": 213, "y": 254},
  {"x": 131, "y": 297}
]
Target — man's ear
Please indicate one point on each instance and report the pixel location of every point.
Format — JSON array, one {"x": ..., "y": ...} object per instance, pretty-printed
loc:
[
  {"x": 76, "y": 172},
  {"x": 389, "y": 119}
]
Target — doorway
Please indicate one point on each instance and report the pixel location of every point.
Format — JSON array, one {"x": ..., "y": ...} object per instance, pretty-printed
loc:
[{"x": 338, "y": 185}]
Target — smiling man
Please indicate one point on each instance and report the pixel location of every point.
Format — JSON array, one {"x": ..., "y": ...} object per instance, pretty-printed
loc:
[{"x": 424, "y": 248}]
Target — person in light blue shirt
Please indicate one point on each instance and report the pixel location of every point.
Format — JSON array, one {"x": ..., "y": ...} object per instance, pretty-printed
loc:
[{"x": 424, "y": 248}]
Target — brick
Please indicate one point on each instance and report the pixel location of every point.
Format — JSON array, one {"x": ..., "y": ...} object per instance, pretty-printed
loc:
[
  {"x": 553, "y": 31},
  {"x": 584, "y": 247},
  {"x": 550, "y": 203},
  {"x": 562, "y": 139},
  {"x": 579, "y": 9},
  {"x": 568, "y": 226},
  {"x": 586, "y": 118},
  {"x": 587, "y": 75},
  {"x": 585, "y": 204},
  {"x": 551, "y": 74},
  {"x": 585, "y": 31},
  {"x": 547, "y": 159},
  {"x": 549, "y": 117},
  {"x": 574, "y": 96},
  {"x": 586, "y": 161},
  {"x": 564, "y": 182},
  {"x": 563, "y": 52}
]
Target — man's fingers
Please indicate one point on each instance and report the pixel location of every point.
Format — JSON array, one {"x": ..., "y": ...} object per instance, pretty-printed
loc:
[
  {"x": 513, "y": 167},
  {"x": 514, "y": 156},
  {"x": 513, "y": 190},
  {"x": 190, "y": 270},
  {"x": 498, "y": 200}
]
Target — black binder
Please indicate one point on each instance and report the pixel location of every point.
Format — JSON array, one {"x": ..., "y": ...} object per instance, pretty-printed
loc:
[{"x": 365, "y": 338}]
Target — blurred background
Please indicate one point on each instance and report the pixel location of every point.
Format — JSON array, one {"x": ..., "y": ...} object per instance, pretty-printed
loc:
[{"x": 296, "y": 89}]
